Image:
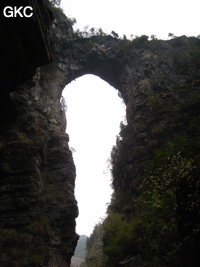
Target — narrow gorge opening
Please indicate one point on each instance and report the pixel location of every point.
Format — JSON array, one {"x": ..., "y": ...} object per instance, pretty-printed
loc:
[{"x": 94, "y": 113}]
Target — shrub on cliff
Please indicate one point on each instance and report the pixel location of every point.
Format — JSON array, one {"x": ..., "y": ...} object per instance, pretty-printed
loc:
[
  {"x": 94, "y": 255},
  {"x": 160, "y": 225}
]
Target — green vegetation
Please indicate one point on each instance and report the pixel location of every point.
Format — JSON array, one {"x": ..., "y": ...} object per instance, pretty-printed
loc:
[
  {"x": 163, "y": 224},
  {"x": 153, "y": 219},
  {"x": 126, "y": 44},
  {"x": 55, "y": 5},
  {"x": 157, "y": 103},
  {"x": 183, "y": 60},
  {"x": 195, "y": 54},
  {"x": 85, "y": 33},
  {"x": 94, "y": 255},
  {"x": 171, "y": 35},
  {"x": 114, "y": 34}
]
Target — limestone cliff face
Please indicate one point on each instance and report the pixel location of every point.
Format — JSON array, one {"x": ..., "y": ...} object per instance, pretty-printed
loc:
[
  {"x": 38, "y": 207},
  {"x": 37, "y": 173},
  {"x": 154, "y": 79}
]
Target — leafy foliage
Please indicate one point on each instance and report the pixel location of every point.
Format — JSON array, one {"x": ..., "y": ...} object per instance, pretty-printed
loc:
[
  {"x": 94, "y": 255},
  {"x": 163, "y": 228},
  {"x": 153, "y": 236},
  {"x": 114, "y": 34},
  {"x": 85, "y": 33},
  {"x": 118, "y": 240},
  {"x": 164, "y": 203},
  {"x": 142, "y": 40}
]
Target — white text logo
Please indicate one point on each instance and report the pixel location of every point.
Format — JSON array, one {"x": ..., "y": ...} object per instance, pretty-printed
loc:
[{"x": 21, "y": 11}]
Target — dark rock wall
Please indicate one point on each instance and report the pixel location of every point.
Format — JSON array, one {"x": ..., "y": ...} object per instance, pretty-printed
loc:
[
  {"x": 25, "y": 43},
  {"x": 37, "y": 180},
  {"x": 38, "y": 207},
  {"x": 37, "y": 173}
]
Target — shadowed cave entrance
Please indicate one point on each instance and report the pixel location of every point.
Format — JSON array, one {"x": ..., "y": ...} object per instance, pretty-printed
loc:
[{"x": 94, "y": 113}]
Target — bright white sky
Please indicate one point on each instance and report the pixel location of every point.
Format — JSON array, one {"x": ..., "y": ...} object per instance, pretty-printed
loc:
[
  {"x": 94, "y": 108},
  {"x": 93, "y": 118},
  {"x": 137, "y": 17}
]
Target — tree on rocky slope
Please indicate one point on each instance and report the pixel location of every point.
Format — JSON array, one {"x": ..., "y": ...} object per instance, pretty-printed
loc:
[{"x": 94, "y": 255}]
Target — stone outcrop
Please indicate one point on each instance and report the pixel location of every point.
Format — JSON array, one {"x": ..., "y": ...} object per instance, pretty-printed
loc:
[{"x": 38, "y": 207}]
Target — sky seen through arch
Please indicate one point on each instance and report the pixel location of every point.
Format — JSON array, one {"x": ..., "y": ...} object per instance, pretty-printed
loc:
[{"x": 94, "y": 113}]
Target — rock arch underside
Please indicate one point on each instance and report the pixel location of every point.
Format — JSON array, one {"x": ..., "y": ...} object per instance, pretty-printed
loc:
[{"x": 38, "y": 207}]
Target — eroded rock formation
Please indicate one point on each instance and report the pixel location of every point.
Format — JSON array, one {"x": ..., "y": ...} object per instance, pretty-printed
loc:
[{"x": 38, "y": 207}]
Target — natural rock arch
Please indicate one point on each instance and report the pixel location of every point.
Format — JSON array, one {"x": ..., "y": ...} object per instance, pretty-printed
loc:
[
  {"x": 150, "y": 76},
  {"x": 37, "y": 170}
]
